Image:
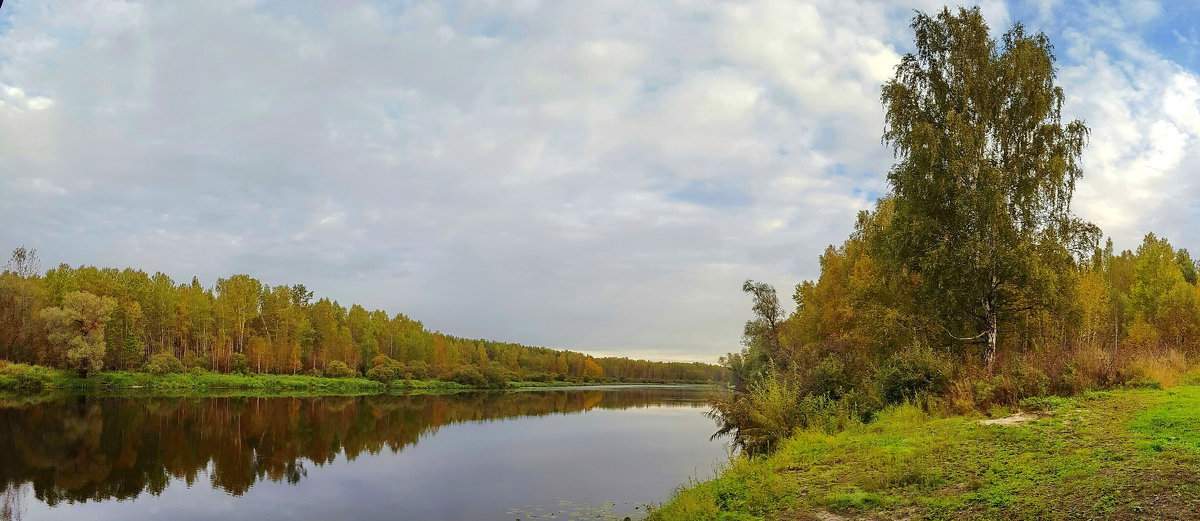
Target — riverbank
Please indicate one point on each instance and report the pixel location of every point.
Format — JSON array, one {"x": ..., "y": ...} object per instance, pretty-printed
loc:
[
  {"x": 17, "y": 378},
  {"x": 1128, "y": 454}
]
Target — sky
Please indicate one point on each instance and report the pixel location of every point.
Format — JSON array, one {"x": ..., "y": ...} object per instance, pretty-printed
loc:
[{"x": 597, "y": 176}]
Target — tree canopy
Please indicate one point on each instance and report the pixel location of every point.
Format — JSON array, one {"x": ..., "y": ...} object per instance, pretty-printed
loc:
[
  {"x": 89, "y": 318},
  {"x": 985, "y": 171}
]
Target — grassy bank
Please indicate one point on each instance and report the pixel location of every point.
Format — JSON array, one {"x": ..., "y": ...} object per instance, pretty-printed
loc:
[
  {"x": 19, "y": 378},
  {"x": 1129, "y": 454}
]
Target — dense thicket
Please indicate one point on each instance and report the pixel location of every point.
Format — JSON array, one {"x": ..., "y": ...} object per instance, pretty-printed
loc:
[
  {"x": 89, "y": 318},
  {"x": 970, "y": 283}
]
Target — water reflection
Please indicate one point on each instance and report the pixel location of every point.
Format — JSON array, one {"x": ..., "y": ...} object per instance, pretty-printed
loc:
[{"x": 87, "y": 448}]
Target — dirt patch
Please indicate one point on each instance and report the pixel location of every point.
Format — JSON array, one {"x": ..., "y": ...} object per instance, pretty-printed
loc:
[{"x": 1015, "y": 419}]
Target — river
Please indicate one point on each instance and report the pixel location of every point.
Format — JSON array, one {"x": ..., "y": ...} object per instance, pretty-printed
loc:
[{"x": 581, "y": 453}]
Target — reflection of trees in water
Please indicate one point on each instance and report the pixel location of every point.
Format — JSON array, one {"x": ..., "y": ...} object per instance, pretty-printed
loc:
[
  {"x": 11, "y": 504},
  {"x": 116, "y": 448}
]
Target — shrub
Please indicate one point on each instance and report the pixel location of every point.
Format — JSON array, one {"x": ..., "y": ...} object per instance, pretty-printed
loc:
[
  {"x": 417, "y": 370},
  {"x": 339, "y": 369},
  {"x": 999, "y": 390},
  {"x": 539, "y": 377},
  {"x": 26, "y": 378},
  {"x": 384, "y": 373},
  {"x": 468, "y": 375},
  {"x": 1030, "y": 379},
  {"x": 829, "y": 378},
  {"x": 238, "y": 364},
  {"x": 497, "y": 376},
  {"x": 915, "y": 371},
  {"x": 387, "y": 372},
  {"x": 314, "y": 372},
  {"x": 774, "y": 409},
  {"x": 192, "y": 360},
  {"x": 163, "y": 363},
  {"x": 384, "y": 369}
]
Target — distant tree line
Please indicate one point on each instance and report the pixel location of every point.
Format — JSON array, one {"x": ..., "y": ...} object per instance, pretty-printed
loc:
[{"x": 89, "y": 319}]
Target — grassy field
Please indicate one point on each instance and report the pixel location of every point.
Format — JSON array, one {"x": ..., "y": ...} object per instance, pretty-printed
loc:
[{"x": 1129, "y": 454}]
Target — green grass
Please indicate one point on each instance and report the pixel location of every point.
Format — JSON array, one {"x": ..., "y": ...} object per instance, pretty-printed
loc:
[
  {"x": 208, "y": 380},
  {"x": 25, "y": 379},
  {"x": 1130, "y": 454}
]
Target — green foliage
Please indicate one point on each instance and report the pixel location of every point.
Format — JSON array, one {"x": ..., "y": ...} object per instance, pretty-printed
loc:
[
  {"x": 912, "y": 373},
  {"x": 985, "y": 171},
  {"x": 243, "y": 326},
  {"x": 163, "y": 363},
  {"x": 417, "y": 370},
  {"x": 384, "y": 369},
  {"x": 975, "y": 238},
  {"x": 496, "y": 376},
  {"x": 239, "y": 364},
  {"x": 468, "y": 375},
  {"x": 829, "y": 378},
  {"x": 339, "y": 369},
  {"x": 774, "y": 409},
  {"x": 77, "y": 328},
  {"x": 25, "y": 378}
]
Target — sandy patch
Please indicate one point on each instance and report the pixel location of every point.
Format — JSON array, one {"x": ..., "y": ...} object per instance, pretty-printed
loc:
[{"x": 1015, "y": 419}]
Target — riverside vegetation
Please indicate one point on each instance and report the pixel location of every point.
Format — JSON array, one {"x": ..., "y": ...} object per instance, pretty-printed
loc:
[
  {"x": 147, "y": 330},
  {"x": 970, "y": 290}
]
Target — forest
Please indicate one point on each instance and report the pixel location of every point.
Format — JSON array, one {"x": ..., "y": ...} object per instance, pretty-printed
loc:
[
  {"x": 90, "y": 319},
  {"x": 971, "y": 284}
]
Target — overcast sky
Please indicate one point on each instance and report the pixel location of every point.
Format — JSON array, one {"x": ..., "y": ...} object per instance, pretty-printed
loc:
[{"x": 593, "y": 175}]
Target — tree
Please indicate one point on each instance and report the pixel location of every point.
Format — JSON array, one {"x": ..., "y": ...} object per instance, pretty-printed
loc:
[
  {"x": 78, "y": 328},
  {"x": 1155, "y": 272},
  {"x": 24, "y": 262},
  {"x": 985, "y": 170},
  {"x": 761, "y": 333},
  {"x": 237, "y": 303}
]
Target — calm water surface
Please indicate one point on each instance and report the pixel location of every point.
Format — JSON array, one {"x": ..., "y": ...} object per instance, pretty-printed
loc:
[{"x": 549, "y": 454}]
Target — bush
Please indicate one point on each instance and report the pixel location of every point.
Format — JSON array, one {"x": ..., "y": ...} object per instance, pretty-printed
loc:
[
  {"x": 314, "y": 372},
  {"x": 1030, "y": 379},
  {"x": 339, "y": 369},
  {"x": 829, "y": 378},
  {"x": 192, "y": 360},
  {"x": 384, "y": 369},
  {"x": 774, "y": 409},
  {"x": 163, "y": 363},
  {"x": 25, "y": 378},
  {"x": 497, "y": 376},
  {"x": 539, "y": 377},
  {"x": 417, "y": 370},
  {"x": 913, "y": 372},
  {"x": 384, "y": 373},
  {"x": 468, "y": 375},
  {"x": 238, "y": 364}
]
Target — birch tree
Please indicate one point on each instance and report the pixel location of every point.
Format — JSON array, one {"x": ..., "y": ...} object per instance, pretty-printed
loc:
[{"x": 985, "y": 171}]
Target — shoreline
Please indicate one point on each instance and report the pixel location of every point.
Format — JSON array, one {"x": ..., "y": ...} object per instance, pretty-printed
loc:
[
  {"x": 1098, "y": 455},
  {"x": 41, "y": 380}
]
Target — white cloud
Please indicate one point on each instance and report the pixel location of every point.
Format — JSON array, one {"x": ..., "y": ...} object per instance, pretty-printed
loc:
[{"x": 1144, "y": 113}]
